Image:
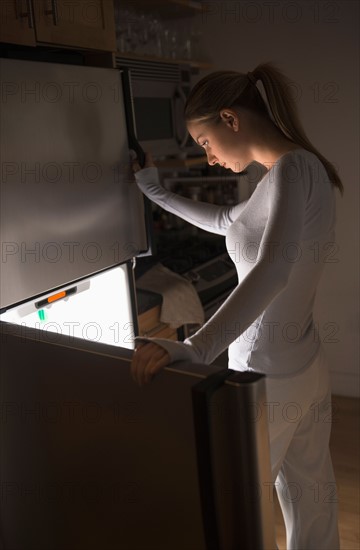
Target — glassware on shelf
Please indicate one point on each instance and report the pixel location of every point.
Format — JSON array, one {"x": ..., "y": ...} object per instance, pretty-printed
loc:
[
  {"x": 155, "y": 45},
  {"x": 197, "y": 48},
  {"x": 124, "y": 27},
  {"x": 145, "y": 34},
  {"x": 169, "y": 40}
]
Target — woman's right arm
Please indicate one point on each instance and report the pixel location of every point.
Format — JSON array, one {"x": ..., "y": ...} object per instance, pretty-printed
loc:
[{"x": 209, "y": 217}]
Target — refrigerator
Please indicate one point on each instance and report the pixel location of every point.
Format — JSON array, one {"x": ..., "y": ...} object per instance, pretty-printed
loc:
[{"x": 88, "y": 459}]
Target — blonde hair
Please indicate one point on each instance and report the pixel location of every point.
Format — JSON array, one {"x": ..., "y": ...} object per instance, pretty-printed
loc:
[{"x": 226, "y": 89}]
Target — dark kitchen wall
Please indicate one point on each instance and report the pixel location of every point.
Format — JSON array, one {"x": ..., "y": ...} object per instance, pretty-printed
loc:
[{"x": 316, "y": 43}]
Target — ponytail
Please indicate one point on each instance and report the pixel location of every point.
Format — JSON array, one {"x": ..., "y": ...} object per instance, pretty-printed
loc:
[
  {"x": 285, "y": 114},
  {"x": 226, "y": 89}
]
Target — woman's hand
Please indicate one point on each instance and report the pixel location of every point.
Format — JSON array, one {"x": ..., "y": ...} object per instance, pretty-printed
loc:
[
  {"x": 148, "y": 360},
  {"x": 135, "y": 163}
]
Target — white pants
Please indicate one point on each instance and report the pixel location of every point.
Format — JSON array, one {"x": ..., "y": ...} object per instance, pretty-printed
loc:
[{"x": 299, "y": 410}]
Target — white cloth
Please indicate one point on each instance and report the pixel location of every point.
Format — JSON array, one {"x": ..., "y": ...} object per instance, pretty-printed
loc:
[{"x": 181, "y": 304}]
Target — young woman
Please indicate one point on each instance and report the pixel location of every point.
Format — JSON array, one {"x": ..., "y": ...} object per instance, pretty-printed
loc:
[{"x": 279, "y": 240}]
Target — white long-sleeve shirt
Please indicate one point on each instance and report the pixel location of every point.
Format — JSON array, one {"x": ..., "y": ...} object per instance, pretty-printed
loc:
[{"x": 279, "y": 240}]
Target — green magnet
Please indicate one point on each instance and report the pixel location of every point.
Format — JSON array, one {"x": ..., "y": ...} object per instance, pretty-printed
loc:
[{"x": 41, "y": 314}]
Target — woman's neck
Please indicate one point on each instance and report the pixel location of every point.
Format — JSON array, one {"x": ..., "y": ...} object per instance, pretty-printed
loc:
[{"x": 270, "y": 144}]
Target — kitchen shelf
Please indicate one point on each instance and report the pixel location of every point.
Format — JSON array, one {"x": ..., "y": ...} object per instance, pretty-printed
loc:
[
  {"x": 141, "y": 57},
  {"x": 180, "y": 163},
  {"x": 168, "y": 9}
]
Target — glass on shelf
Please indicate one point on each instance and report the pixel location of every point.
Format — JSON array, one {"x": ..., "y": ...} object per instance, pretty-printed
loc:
[{"x": 145, "y": 34}]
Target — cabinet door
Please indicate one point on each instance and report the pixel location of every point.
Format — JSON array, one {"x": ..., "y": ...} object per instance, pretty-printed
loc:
[
  {"x": 16, "y": 22},
  {"x": 84, "y": 23}
]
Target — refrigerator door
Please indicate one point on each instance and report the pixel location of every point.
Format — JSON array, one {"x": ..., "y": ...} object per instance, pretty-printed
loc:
[
  {"x": 231, "y": 430},
  {"x": 90, "y": 460},
  {"x": 69, "y": 203}
]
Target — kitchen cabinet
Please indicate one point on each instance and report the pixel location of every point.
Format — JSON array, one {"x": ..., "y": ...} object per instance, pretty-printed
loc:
[
  {"x": 17, "y": 22},
  {"x": 80, "y": 24}
]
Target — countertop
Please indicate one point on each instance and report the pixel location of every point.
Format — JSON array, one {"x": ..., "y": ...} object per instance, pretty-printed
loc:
[{"x": 147, "y": 300}]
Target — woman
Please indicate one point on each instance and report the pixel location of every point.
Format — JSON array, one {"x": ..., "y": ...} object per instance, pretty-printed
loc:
[{"x": 279, "y": 240}]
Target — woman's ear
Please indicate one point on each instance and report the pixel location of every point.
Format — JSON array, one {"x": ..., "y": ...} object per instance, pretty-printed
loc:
[{"x": 231, "y": 118}]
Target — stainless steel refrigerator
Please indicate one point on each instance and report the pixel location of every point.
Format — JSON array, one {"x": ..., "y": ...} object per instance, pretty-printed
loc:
[{"x": 89, "y": 460}]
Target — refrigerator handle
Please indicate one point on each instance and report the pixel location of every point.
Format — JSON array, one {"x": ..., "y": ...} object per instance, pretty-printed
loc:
[
  {"x": 130, "y": 116},
  {"x": 201, "y": 395},
  {"x": 135, "y": 145}
]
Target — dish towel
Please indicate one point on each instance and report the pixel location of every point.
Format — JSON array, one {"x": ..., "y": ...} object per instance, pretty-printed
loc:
[{"x": 181, "y": 304}]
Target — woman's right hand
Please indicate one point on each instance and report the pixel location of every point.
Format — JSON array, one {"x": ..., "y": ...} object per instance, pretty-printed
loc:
[
  {"x": 148, "y": 162},
  {"x": 148, "y": 359}
]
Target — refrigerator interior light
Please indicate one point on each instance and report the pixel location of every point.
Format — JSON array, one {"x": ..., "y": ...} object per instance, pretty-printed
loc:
[{"x": 97, "y": 309}]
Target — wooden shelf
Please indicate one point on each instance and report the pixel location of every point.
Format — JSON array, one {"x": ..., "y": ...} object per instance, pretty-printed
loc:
[
  {"x": 151, "y": 326},
  {"x": 141, "y": 57},
  {"x": 167, "y": 9}
]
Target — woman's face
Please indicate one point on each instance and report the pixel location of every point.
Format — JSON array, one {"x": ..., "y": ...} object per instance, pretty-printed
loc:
[{"x": 224, "y": 142}]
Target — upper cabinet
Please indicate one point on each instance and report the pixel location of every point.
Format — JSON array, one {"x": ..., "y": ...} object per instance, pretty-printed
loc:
[
  {"x": 84, "y": 24},
  {"x": 17, "y": 22},
  {"x": 131, "y": 28}
]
